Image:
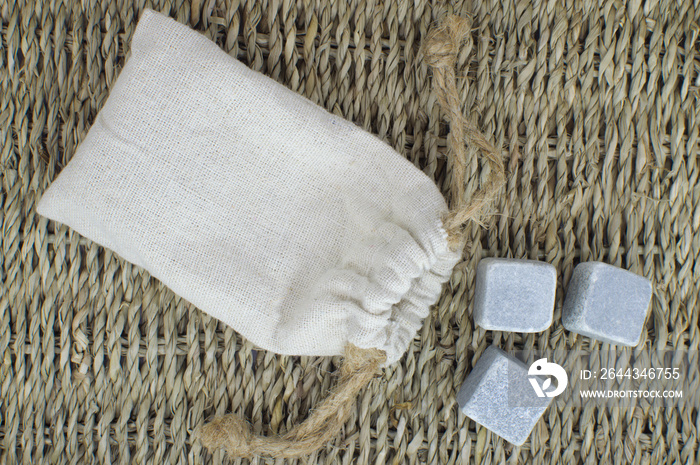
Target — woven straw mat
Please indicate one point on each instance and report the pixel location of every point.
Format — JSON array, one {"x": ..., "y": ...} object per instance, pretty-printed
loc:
[{"x": 595, "y": 107}]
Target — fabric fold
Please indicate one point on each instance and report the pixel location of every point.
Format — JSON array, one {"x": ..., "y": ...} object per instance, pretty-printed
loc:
[{"x": 295, "y": 227}]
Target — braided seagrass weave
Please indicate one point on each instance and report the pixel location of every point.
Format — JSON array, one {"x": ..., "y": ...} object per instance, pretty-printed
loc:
[
  {"x": 593, "y": 107},
  {"x": 230, "y": 432}
]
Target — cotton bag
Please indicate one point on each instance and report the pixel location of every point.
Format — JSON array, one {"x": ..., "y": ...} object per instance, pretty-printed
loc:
[{"x": 301, "y": 231}]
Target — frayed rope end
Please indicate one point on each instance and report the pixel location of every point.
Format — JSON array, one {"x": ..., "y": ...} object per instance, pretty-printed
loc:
[
  {"x": 233, "y": 434},
  {"x": 229, "y": 432}
]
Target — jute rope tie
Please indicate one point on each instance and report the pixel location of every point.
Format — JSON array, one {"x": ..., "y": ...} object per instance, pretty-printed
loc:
[{"x": 232, "y": 433}]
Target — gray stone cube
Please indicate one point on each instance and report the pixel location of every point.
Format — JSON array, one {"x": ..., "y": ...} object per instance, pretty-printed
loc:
[
  {"x": 514, "y": 295},
  {"x": 607, "y": 303},
  {"x": 498, "y": 395}
]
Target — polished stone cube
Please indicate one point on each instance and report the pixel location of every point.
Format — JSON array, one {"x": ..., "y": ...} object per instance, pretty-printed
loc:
[
  {"x": 498, "y": 395},
  {"x": 607, "y": 303},
  {"x": 514, "y": 295}
]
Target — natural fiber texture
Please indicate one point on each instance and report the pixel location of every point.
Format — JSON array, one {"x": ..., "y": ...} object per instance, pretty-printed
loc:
[
  {"x": 295, "y": 227},
  {"x": 234, "y": 435},
  {"x": 594, "y": 108},
  {"x": 230, "y": 432},
  {"x": 298, "y": 229},
  {"x": 440, "y": 51}
]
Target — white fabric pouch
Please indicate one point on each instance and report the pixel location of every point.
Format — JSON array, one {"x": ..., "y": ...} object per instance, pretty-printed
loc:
[{"x": 295, "y": 227}]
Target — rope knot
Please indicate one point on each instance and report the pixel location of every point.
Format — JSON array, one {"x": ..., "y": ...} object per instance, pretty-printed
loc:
[
  {"x": 444, "y": 42},
  {"x": 229, "y": 432},
  {"x": 234, "y": 434}
]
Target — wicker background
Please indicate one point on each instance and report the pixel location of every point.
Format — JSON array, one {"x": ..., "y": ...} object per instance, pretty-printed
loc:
[{"x": 595, "y": 105}]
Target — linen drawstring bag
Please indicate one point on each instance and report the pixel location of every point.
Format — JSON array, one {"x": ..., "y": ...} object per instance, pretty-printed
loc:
[{"x": 298, "y": 229}]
